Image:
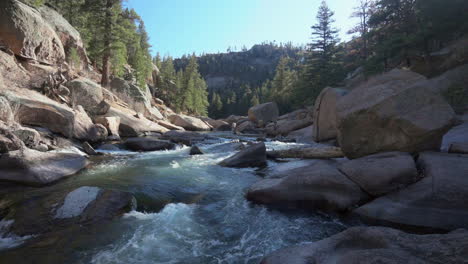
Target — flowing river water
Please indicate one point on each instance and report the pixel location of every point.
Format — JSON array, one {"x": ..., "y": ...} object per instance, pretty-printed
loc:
[{"x": 190, "y": 210}]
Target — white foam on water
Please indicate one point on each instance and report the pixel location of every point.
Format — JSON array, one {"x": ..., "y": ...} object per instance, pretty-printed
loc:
[{"x": 7, "y": 239}]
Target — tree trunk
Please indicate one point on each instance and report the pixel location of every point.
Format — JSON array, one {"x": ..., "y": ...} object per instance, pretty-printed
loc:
[{"x": 107, "y": 45}]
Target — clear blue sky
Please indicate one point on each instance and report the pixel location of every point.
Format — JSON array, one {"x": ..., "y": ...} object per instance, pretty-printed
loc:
[{"x": 178, "y": 27}]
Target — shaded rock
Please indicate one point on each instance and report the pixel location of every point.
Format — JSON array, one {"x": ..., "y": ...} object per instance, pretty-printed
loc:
[
  {"x": 98, "y": 133},
  {"x": 28, "y": 35},
  {"x": 111, "y": 123},
  {"x": 88, "y": 149},
  {"x": 8, "y": 140},
  {"x": 83, "y": 127},
  {"x": 437, "y": 202},
  {"x": 319, "y": 186},
  {"x": 377, "y": 245},
  {"x": 33, "y": 167},
  {"x": 395, "y": 115},
  {"x": 218, "y": 125},
  {"x": 110, "y": 147},
  {"x": 252, "y": 156},
  {"x": 247, "y": 127},
  {"x": 60, "y": 210},
  {"x": 185, "y": 137},
  {"x": 284, "y": 126},
  {"x": 316, "y": 152},
  {"x": 304, "y": 135},
  {"x": 225, "y": 147},
  {"x": 264, "y": 113},
  {"x": 235, "y": 119},
  {"x": 189, "y": 123},
  {"x": 86, "y": 93},
  {"x": 148, "y": 144},
  {"x": 458, "y": 134},
  {"x": 325, "y": 127},
  {"x": 131, "y": 126},
  {"x": 459, "y": 147},
  {"x": 195, "y": 150},
  {"x": 381, "y": 173}
]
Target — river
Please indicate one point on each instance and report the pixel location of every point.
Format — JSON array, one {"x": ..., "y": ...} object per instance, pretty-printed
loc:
[{"x": 190, "y": 210}]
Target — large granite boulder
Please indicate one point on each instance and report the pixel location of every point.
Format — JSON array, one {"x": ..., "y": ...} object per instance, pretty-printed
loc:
[
  {"x": 30, "y": 137},
  {"x": 189, "y": 123},
  {"x": 33, "y": 167},
  {"x": 325, "y": 114},
  {"x": 319, "y": 186},
  {"x": 83, "y": 206},
  {"x": 148, "y": 144},
  {"x": 131, "y": 126},
  {"x": 437, "y": 202},
  {"x": 28, "y": 35},
  {"x": 309, "y": 152},
  {"x": 86, "y": 93},
  {"x": 218, "y": 125},
  {"x": 262, "y": 114},
  {"x": 392, "y": 115},
  {"x": 247, "y": 127},
  {"x": 303, "y": 135},
  {"x": 253, "y": 156},
  {"x": 290, "y": 122},
  {"x": 70, "y": 37},
  {"x": 359, "y": 245},
  {"x": 381, "y": 173}
]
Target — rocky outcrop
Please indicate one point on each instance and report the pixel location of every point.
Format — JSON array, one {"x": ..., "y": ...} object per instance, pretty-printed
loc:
[
  {"x": 148, "y": 144},
  {"x": 97, "y": 133},
  {"x": 131, "y": 126},
  {"x": 112, "y": 125},
  {"x": 381, "y": 173},
  {"x": 69, "y": 36},
  {"x": 169, "y": 125},
  {"x": 28, "y": 35},
  {"x": 437, "y": 202},
  {"x": 8, "y": 140},
  {"x": 264, "y": 113},
  {"x": 247, "y": 127},
  {"x": 325, "y": 114},
  {"x": 377, "y": 245},
  {"x": 88, "y": 149},
  {"x": 459, "y": 147},
  {"x": 458, "y": 134},
  {"x": 235, "y": 119},
  {"x": 6, "y": 114},
  {"x": 88, "y": 94},
  {"x": 32, "y": 167},
  {"x": 136, "y": 97},
  {"x": 83, "y": 206},
  {"x": 316, "y": 152},
  {"x": 189, "y": 123},
  {"x": 253, "y": 156},
  {"x": 30, "y": 137},
  {"x": 286, "y": 124},
  {"x": 320, "y": 186},
  {"x": 392, "y": 115}
]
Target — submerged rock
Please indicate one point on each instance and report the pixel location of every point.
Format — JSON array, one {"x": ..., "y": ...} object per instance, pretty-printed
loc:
[
  {"x": 195, "y": 150},
  {"x": 64, "y": 209},
  {"x": 33, "y": 167},
  {"x": 253, "y": 156},
  {"x": 437, "y": 202},
  {"x": 319, "y": 186},
  {"x": 148, "y": 144},
  {"x": 377, "y": 245}
]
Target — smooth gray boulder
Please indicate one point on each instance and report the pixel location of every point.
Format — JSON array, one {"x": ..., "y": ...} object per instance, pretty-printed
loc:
[
  {"x": 437, "y": 202},
  {"x": 262, "y": 114},
  {"x": 33, "y": 167},
  {"x": 252, "y": 156},
  {"x": 88, "y": 94},
  {"x": 189, "y": 123},
  {"x": 381, "y": 173},
  {"x": 195, "y": 150},
  {"x": 148, "y": 144},
  {"x": 392, "y": 114},
  {"x": 82, "y": 206},
  {"x": 131, "y": 126},
  {"x": 316, "y": 186},
  {"x": 378, "y": 245}
]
